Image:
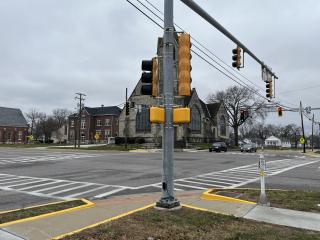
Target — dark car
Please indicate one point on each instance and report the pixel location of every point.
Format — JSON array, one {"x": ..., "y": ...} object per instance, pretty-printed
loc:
[
  {"x": 250, "y": 147},
  {"x": 218, "y": 147}
]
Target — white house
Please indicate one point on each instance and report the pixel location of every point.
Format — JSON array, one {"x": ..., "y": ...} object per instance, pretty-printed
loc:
[
  {"x": 276, "y": 142},
  {"x": 272, "y": 142}
]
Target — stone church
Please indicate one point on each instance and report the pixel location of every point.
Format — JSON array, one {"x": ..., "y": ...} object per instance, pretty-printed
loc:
[{"x": 209, "y": 122}]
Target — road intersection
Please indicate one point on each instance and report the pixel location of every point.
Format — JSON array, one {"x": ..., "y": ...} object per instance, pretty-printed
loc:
[{"x": 49, "y": 175}]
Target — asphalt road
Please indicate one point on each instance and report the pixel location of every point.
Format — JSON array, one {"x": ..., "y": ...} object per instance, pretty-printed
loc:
[{"x": 30, "y": 176}]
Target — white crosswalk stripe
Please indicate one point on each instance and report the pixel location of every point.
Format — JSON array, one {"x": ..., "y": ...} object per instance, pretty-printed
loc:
[
  {"x": 57, "y": 188},
  {"x": 236, "y": 177},
  {"x": 46, "y": 158}
]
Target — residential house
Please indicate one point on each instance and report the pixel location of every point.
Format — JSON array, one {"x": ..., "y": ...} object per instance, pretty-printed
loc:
[
  {"x": 13, "y": 126},
  {"x": 276, "y": 142},
  {"x": 96, "y": 125}
]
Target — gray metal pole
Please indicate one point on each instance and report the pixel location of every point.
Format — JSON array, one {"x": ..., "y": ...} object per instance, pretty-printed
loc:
[
  {"x": 196, "y": 8},
  {"x": 302, "y": 126},
  {"x": 167, "y": 200},
  {"x": 79, "y": 122},
  {"x": 126, "y": 122},
  {"x": 312, "y": 132}
]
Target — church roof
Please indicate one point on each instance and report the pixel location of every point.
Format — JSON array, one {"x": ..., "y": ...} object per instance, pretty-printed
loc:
[
  {"x": 12, "y": 117},
  {"x": 213, "y": 108}
]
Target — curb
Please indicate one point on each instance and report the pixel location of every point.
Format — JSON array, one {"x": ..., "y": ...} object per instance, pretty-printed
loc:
[
  {"x": 87, "y": 205},
  {"x": 214, "y": 197}
]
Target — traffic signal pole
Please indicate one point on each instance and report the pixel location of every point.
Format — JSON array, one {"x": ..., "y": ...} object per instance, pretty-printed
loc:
[
  {"x": 201, "y": 12},
  {"x": 302, "y": 126},
  {"x": 167, "y": 200}
]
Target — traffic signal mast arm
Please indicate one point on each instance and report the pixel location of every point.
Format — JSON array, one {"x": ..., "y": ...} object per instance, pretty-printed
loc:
[{"x": 196, "y": 8}]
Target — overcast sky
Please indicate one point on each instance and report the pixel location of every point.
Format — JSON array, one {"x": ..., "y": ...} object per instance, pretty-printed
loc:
[{"x": 50, "y": 49}]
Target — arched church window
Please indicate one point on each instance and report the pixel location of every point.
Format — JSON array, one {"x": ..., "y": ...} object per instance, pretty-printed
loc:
[
  {"x": 223, "y": 126},
  {"x": 142, "y": 120},
  {"x": 195, "y": 124}
]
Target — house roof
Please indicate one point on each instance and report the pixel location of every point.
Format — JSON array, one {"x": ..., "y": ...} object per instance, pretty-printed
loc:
[
  {"x": 12, "y": 117},
  {"x": 111, "y": 110},
  {"x": 273, "y": 138}
]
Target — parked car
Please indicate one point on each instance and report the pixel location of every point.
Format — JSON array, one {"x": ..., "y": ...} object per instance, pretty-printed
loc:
[
  {"x": 250, "y": 147},
  {"x": 218, "y": 147}
]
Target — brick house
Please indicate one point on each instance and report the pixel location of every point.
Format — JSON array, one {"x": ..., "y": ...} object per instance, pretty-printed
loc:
[
  {"x": 13, "y": 126},
  {"x": 103, "y": 121}
]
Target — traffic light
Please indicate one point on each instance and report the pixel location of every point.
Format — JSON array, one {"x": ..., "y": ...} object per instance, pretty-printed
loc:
[
  {"x": 184, "y": 76},
  {"x": 236, "y": 57},
  {"x": 269, "y": 89},
  {"x": 149, "y": 77},
  {"x": 280, "y": 111}
]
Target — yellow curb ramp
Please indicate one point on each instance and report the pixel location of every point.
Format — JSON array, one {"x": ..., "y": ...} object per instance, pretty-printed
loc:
[
  {"x": 86, "y": 205},
  {"x": 208, "y": 195},
  {"x": 102, "y": 222}
]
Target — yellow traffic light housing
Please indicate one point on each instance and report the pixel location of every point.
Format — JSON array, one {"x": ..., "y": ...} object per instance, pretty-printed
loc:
[
  {"x": 157, "y": 115},
  {"x": 154, "y": 77},
  {"x": 184, "y": 76},
  {"x": 181, "y": 115},
  {"x": 236, "y": 58},
  {"x": 149, "y": 77}
]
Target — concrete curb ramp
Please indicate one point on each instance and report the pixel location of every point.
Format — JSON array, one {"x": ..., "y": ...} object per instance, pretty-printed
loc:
[{"x": 209, "y": 195}]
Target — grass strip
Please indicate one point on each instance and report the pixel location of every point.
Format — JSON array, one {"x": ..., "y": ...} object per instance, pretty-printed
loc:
[
  {"x": 189, "y": 224},
  {"x": 36, "y": 211},
  {"x": 290, "y": 199}
]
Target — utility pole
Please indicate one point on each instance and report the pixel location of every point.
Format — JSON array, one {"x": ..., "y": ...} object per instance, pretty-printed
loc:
[
  {"x": 302, "y": 126},
  {"x": 312, "y": 133},
  {"x": 80, "y": 97},
  {"x": 126, "y": 120},
  {"x": 167, "y": 200},
  {"x": 74, "y": 130}
]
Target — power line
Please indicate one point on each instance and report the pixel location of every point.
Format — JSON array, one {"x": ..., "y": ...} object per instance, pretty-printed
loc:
[
  {"x": 204, "y": 52},
  {"x": 245, "y": 85},
  {"x": 301, "y": 89}
]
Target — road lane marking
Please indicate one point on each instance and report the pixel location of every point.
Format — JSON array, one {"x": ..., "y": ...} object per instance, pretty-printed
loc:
[
  {"x": 71, "y": 189},
  {"x": 109, "y": 193},
  {"x": 85, "y": 192}
]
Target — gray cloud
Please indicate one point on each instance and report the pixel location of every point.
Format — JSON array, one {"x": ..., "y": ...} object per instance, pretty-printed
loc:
[{"x": 51, "y": 49}]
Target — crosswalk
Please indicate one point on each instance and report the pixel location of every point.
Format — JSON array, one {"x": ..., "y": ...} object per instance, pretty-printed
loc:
[
  {"x": 68, "y": 189},
  {"x": 45, "y": 158},
  {"x": 234, "y": 177},
  {"x": 257, "y": 154},
  {"x": 56, "y": 188}
]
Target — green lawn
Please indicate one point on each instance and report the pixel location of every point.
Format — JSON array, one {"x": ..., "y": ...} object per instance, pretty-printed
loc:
[
  {"x": 294, "y": 199},
  {"x": 36, "y": 211},
  {"x": 189, "y": 224}
]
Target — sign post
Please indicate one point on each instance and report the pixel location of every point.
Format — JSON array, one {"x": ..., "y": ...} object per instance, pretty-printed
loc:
[{"x": 262, "y": 167}]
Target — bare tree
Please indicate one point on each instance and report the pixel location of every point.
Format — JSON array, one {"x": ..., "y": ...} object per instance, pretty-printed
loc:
[
  {"x": 236, "y": 98},
  {"x": 33, "y": 116},
  {"x": 60, "y": 116}
]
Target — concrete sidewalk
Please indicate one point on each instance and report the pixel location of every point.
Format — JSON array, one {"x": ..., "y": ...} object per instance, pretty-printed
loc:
[{"x": 50, "y": 227}]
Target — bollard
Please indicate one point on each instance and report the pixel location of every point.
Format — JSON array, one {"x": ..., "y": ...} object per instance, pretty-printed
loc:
[{"x": 262, "y": 167}]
